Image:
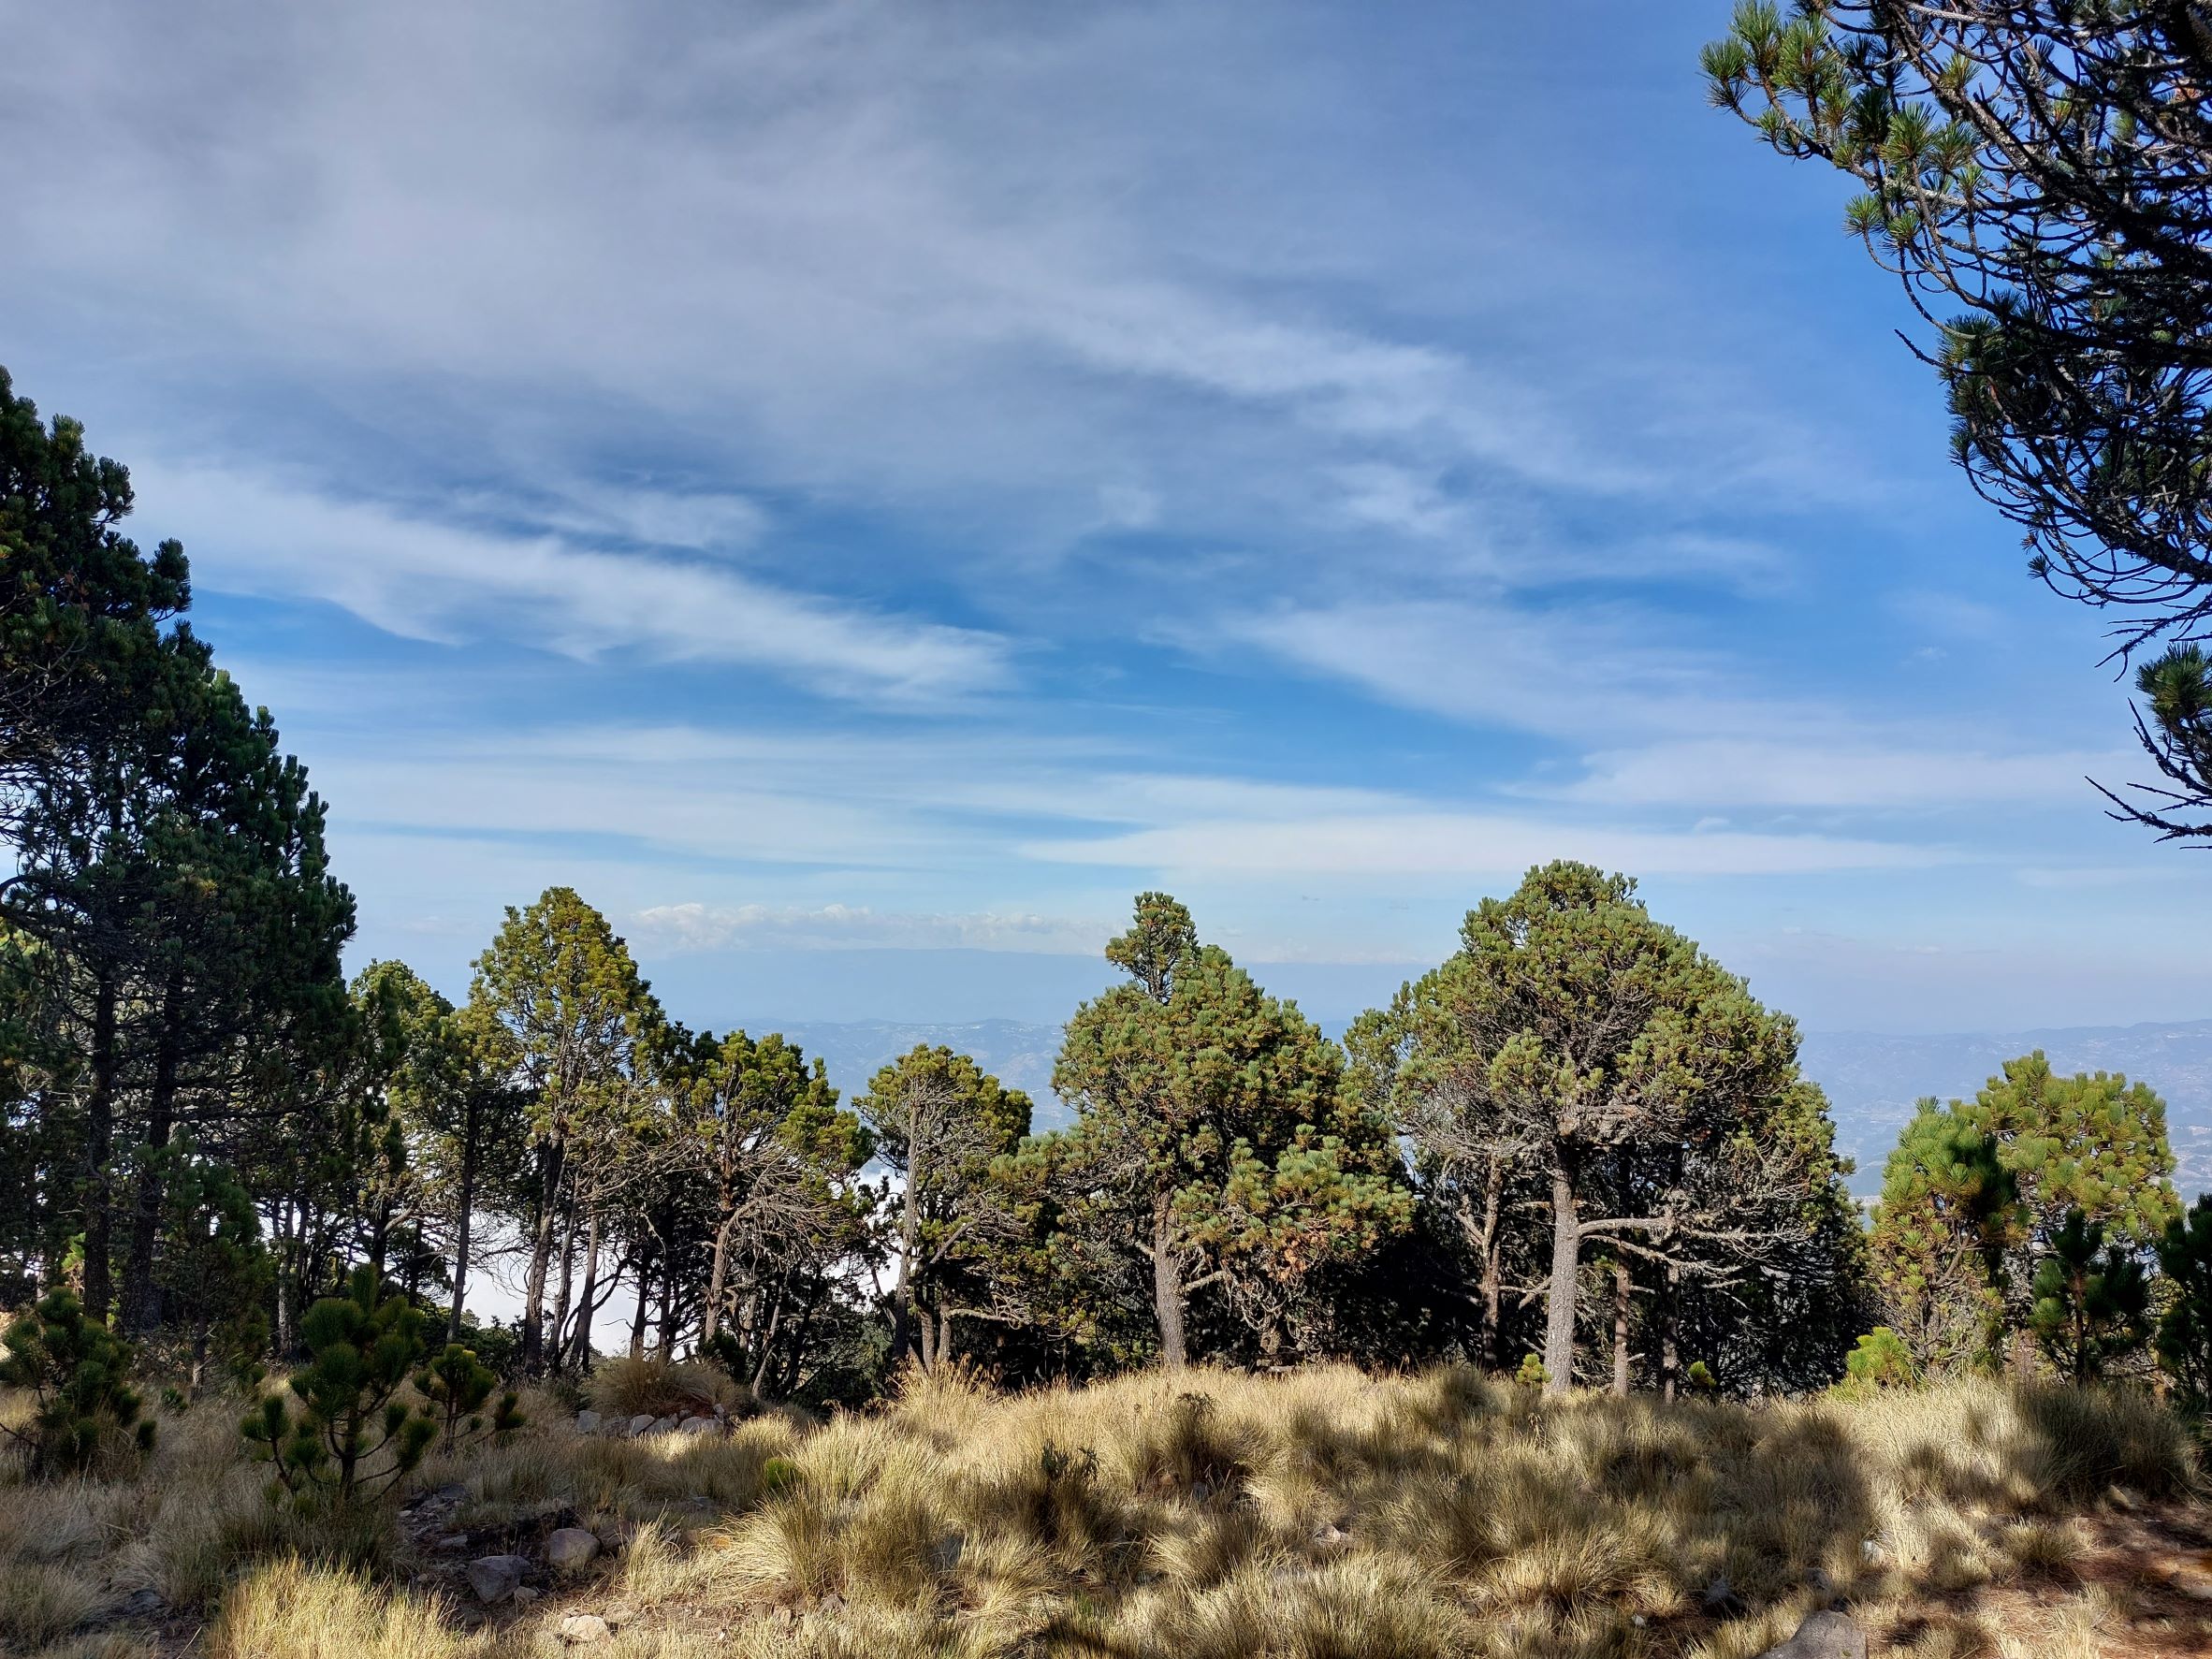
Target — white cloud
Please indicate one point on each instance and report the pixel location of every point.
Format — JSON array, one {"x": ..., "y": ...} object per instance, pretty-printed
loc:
[
  {"x": 446, "y": 582},
  {"x": 868, "y": 249},
  {"x": 1447, "y": 843},
  {"x": 1569, "y": 671},
  {"x": 696, "y": 927},
  {"x": 1837, "y": 770}
]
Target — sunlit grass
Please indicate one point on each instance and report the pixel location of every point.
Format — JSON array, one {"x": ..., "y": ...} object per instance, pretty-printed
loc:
[{"x": 1311, "y": 1515}]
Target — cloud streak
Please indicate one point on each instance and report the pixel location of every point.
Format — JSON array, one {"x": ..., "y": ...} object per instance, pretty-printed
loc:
[{"x": 450, "y": 583}]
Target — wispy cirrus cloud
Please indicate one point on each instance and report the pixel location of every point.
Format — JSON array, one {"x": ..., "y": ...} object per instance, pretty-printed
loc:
[
  {"x": 1473, "y": 844},
  {"x": 439, "y": 580},
  {"x": 696, "y": 927}
]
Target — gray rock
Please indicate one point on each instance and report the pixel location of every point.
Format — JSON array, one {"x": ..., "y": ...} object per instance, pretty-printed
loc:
[
  {"x": 494, "y": 1578},
  {"x": 944, "y": 1555},
  {"x": 569, "y": 1549},
  {"x": 832, "y": 1603},
  {"x": 579, "y": 1628},
  {"x": 1719, "y": 1597},
  {"x": 640, "y": 1423},
  {"x": 139, "y": 1603},
  {"x": 698, "y": 1425},
  {"x": 661, "y": 1425},
  {"x": 523, "y": 1595},
  {"x": 1825, "y": 1635},
  {"x": 587, "y": 1422}
]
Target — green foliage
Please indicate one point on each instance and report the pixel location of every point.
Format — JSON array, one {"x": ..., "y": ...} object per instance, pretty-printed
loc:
[
  {"x": 2093, "y": 1300},
  {"x": 2096, "y": 1144},
  {"x": 1700, "y": 1377},
  {"x": 81, "y": 607},
  {"x": 1880, "y": 1360},
  {"x": 76, "y": 1369},
  {"x": 349, "y": 1435},
  {"x": 1949, "y": 1211},
  {"x": 2185, "y": 1326},
  {"x": 2020, "y": 169},
  {"x": 214, "y": 1275},
  {"x": 1580, "y": 1061},
  {"x": 1532, "y": 1373},
  {"x": 1978, "y": 1193},
  {"x": 779, "y": 1475},
  {"x": 1219, "y": 1139},
  {"x": 457, "y": 1385}
]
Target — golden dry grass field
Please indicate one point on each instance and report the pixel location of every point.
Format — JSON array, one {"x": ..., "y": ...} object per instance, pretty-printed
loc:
[{"x": 1203, "y": 1515}]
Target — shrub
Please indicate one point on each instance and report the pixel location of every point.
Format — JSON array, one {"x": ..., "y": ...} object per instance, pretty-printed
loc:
[
  {"x": 1881, "y": 1361},
  {"x": 657, "y": 1386},
  {"x": 351, "y": 1437},
  {"x": 76, "y": 1368},
  {"x": 2093, "y": 1300},
  {"x": 2185, "y": 1328},
  {"x": 457, "y": 1387}
]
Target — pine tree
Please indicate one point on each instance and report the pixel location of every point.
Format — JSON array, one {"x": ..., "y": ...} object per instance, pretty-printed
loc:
[
  {"x": 561, "y": 985},
  {"x": 2185, "y": 1326},
  {"x": 1950, "y": 1212},
  {"x": 1217, "y": 1132},
  {"x": 2093, "y": 1300},
  {"x": 76, "y": 1372},
  {"x": 348, "y": 1435},
  {"x": 939, "y": 1123},
  {"x": 2033, "y": 172}
]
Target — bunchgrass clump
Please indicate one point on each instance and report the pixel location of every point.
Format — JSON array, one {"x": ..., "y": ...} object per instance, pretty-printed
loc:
[{"x": 1309, "y": 1515}]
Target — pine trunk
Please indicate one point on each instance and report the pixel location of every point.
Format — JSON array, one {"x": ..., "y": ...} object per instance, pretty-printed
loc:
[
  {"x": 1622, "y": 1292},
  {"x": 1567, "y": 1261},
  {"x": 1167, "y": 1287},
  {"x": 141, "y": 1302},
  {"x": 99, "y": 1148}
]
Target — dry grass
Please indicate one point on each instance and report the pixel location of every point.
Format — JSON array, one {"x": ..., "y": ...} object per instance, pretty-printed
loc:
[
  {"x": 1318, "y": 1515},
  {"x": 620, "y": 1388}
]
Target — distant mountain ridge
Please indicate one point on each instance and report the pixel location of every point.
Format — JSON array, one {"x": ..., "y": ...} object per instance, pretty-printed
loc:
[{"x": 1872, "y": 1078}]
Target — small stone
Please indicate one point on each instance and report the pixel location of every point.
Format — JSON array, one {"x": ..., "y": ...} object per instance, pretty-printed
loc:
[
  {"x": 698, "y": 1425},
  {"x": 641, "y": 1423},
  {"x": 661, "y": 1425},
  {"x": 587, "y": 1422},
  {"x": 142, "y": 1604},
  {"x": 494, "y": 1578},
  {"x": 1720, "y": 1596},
  {"x": 1825, "y": 1635},
  {"x": 579, "y": 1628},
  {"x": 451, "y": 1544},
  {"x": 832, "y": 1603},
  {"x": 618, "y": 1617},
  {"x": 569, "y": 1549},
  {"x": 523, "y": 1595},
  {"x": 944, "y": 1555}
]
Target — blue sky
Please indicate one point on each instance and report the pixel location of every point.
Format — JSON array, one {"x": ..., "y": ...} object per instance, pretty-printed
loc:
[{"x": 860, "y": 489}]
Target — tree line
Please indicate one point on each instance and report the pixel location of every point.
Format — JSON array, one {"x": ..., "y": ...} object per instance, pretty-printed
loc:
[{"x": 1579, "y": 1148}]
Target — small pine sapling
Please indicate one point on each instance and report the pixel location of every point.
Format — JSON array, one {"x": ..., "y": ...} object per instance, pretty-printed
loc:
[
  {"x": 1881, "y": 1361},
  {"x": 2092, "y": 1302},
  {"x": 457, "y": 1385},
  {"x": 2185, "y": 1328},
  {"x": 76, "y": 1369},
  {"x": 351, "y": 1437}
]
